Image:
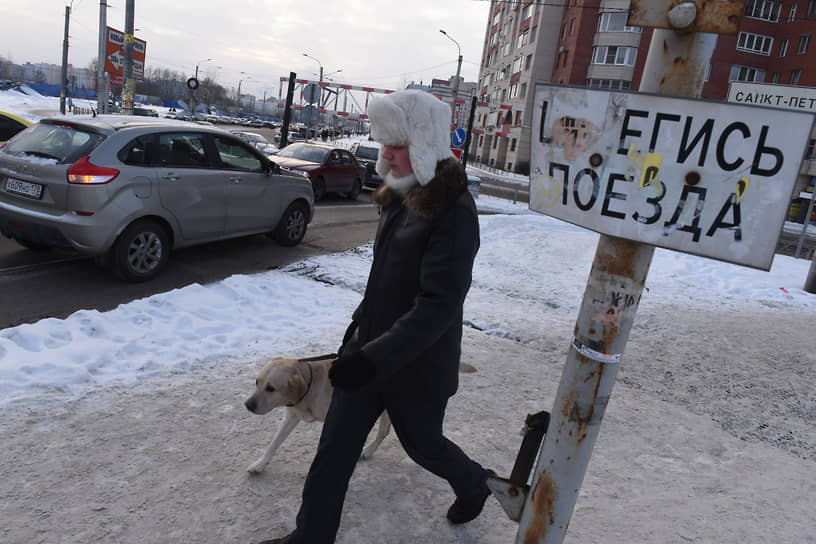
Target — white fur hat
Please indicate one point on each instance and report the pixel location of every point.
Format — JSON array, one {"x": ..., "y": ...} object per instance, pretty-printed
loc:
[{"x": 416, "y": 119}]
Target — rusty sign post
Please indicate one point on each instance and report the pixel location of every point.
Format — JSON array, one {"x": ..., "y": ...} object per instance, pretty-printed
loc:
[{"x": 675, "y": 65}]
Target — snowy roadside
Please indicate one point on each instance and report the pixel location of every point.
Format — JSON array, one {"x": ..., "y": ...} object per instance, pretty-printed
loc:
[{"x": 166, "y": 462}]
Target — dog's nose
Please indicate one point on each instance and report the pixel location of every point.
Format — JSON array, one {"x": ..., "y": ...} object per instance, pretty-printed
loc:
[{"x": 250, "y": 405}]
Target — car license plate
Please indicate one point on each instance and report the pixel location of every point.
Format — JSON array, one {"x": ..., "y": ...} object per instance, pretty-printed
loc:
[{"x": 25, "y": 188}]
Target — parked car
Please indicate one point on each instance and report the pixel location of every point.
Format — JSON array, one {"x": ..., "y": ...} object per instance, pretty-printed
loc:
[
  {"x": 10, "y": 125},
  {"x": 128, "y": 190},
  {"x": 258, "y": 140},
  {"x": 331, "y": 169},
  {"x": 368, "y": 153},
  {"x": 147, "y": 112}
]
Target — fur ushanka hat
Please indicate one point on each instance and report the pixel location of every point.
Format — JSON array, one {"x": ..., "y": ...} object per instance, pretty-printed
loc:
[{"x": 416, "y": 119}]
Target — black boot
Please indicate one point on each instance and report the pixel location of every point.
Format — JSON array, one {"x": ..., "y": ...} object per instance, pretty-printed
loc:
[
  {"x": 288, "y": 539},
  {"x": 466, "y": 509}
]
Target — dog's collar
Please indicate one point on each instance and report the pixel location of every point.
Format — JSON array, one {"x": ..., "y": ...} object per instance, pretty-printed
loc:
[{"x": 308, "y": 386}]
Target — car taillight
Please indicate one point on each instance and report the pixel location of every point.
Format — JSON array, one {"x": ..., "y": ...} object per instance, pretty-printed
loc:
[
  {"x": 2, "y": 145},
  {"x": 83, "y": 172}
]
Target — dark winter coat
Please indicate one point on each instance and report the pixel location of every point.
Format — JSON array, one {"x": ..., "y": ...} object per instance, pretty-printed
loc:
[{"x": 409, "y": 324}]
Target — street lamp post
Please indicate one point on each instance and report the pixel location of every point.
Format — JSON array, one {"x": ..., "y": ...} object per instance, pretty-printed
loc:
[
  {"x": 458, "y": 70},
  {"x": 318, "y": 62},
  {"x": 239, "y": 86},
  {"x": 193, "y": 104}
]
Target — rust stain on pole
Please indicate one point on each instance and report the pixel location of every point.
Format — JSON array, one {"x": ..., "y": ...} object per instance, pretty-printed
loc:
[{"x": 543, "y": 499}]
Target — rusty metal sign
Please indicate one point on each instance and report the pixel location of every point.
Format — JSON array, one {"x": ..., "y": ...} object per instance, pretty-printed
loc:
[
  {"x": 712, "y": 16},
  {"x": 697, "y": 176}
]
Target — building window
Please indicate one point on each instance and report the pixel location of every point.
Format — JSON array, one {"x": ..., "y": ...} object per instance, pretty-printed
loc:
[
  {"x": 754, "y": 43},
  {"x": 622, "y": 56},
  {"x": 514, "y": 90},
  {"x": 523, "y": 39},
  {"x": 775, "y": 77},
  {"x": 783, "y": 47},
  {"x": 767, "y": 10},
  {"x": 612, "y": 84},
  {"x": 527, "y": 11},
  {"x": 533, "y": 33},
  {"x": 481, "y": 139},
  {"x": 792, "y": 14},
  {"x": 572, "y": 25},
  {"x": 513, "y": 144},
  {"x": 746, "y": 73},
  {"x": 517, "y": 65},
  {"x": 523, "y": 91},
  {"x": 497, "y": 18},
  {"x": 707, "y": 73},
  {"x": 812, "y": 8},
  {"x": 811, "y": 151},
  {"x": 518, "y": 119},
  {"x": 495, "y": 141},
  {"x": 795, "y": 75},
  {"x": 804, "y": 41},
  {"x": 614, "y": 22},
  {"x": 564, "y": 31},
  {"x": 529, "y": 61}
]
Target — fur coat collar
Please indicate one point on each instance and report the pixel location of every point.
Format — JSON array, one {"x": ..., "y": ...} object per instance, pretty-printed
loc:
[{"x": 434, "y": 198}]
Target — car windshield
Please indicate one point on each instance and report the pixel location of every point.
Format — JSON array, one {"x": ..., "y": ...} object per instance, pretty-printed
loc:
[
  {"x": 61, "y": 142},
  {"x": 370, "y": 153},
  {"x": 304, "y": 152}
]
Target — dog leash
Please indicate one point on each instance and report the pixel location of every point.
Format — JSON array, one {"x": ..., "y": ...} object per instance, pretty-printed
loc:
[{"x": 307, "y": 360}]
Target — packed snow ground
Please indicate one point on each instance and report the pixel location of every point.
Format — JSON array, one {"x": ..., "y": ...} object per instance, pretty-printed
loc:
[{"x": 128, "y": 425}]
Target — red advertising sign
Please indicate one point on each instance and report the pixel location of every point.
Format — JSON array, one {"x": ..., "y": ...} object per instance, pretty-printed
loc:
[{"x": 115, "y": 55}]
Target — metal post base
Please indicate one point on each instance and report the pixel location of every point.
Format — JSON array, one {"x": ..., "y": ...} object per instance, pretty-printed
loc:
[{"x": 512, "y": 493}]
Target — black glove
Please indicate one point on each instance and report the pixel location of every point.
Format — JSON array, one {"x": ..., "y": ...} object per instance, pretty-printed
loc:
[
  {"x": 351, "y": 372},
  {"x": 352, "y": 328}
]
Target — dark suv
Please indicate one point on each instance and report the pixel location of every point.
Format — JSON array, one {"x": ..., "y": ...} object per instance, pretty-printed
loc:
[{"x": 367, "y": 154}]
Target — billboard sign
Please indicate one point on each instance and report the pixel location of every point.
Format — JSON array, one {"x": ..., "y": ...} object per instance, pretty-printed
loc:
[
  {"x": 697, "y": 176},
  {"x": 115, "y": 55}
]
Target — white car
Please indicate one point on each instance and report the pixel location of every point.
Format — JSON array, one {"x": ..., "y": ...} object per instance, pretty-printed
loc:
[{"x": 258, "y": 140}]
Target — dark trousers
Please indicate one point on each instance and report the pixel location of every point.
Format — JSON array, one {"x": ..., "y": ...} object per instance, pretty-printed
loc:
[{"x": 417, "y": 421}]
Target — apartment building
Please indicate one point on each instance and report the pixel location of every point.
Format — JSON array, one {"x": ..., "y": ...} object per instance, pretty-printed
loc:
[{"x": 588, "y": 42}]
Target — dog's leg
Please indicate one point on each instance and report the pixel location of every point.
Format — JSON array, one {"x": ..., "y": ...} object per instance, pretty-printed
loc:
[
  {"x": 290, "y": 421},
  {"x": 382, "y": 432}
]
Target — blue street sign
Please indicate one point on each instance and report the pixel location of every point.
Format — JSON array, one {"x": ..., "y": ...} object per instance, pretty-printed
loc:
[{"x": 458, "y": 137}]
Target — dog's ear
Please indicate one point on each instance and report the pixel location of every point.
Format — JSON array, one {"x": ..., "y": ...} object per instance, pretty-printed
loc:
[{"x": 296, "y": 384}]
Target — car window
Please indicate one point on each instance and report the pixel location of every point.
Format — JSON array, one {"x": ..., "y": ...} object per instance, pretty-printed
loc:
[
  {"x": 136, "y": 152},
  {"x": 305, "y": 152},
  {"x": 334, "y": 158},
  {"x": 62, "y": 142},
  {"x": 370, "y": 153},
  {"x": 181, "y": 149},
  {"x": 348, "y": 160},
  {"x": 9, "y": 127},
  {"x": 235, "y": 156}
]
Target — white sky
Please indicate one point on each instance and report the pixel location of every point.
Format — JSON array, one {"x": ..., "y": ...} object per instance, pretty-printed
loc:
[{"x": 374, "y": 42}]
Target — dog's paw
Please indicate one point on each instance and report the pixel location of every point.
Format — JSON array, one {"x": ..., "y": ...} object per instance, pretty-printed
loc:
[{"x": 258, "y": 466}]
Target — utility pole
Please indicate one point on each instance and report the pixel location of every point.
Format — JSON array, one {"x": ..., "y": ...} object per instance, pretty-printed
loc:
[
  {"x": 101, "y": 84},
  {"x": 127, "y": 75},
  {"x": 64, "y": 72}
]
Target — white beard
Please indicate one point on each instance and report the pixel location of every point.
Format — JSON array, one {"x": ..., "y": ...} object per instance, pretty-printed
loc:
[{"x": 400, "y": 185}]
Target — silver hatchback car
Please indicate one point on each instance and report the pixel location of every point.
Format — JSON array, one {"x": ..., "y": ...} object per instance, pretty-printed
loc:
[{"x": 127, "y": 190}]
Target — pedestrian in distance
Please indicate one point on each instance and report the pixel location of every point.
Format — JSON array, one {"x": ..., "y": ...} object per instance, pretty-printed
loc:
[{"x": 401, "y": 351}]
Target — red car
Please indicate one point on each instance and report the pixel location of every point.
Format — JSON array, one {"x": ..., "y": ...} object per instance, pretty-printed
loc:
[{"x": 331, "y": 169}]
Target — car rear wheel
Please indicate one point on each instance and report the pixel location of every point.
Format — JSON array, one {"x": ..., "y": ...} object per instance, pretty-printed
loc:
[
  {"x": 141, "y": 251},
  {"x": 319, "y": 188},
  {"x": 292, "y": 226},
  {"x": 355, "y": 190}
]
